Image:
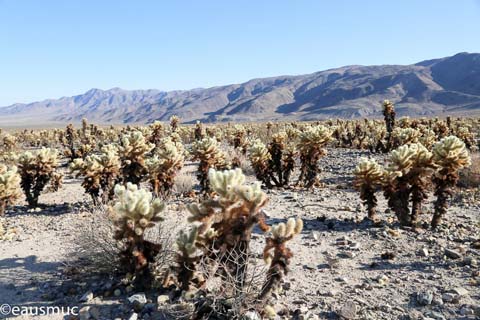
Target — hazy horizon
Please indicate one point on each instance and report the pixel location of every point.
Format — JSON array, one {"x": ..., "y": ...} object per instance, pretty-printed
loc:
[{"x": 54, "y": 48}]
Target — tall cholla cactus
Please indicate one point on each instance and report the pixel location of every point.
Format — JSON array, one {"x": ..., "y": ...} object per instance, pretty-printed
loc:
[
  {"x": 279, "y": 259},
  {"x": 407, "y": 173},
  {"x": 260, "y": 159},
  {"x": 36, "y": 169},
  {"x": 9, "y": 142},
  {"x": 208, "y": 152},
  {"x": 198, "y": 132},
  {"x": 135, "y": 212},
  {"x": 187, "y": 257},
  {"x": 389, "y": 116},
  {"x": 163, "y": 167},
  {"x": 133, "y": 151},
  {"x": 9, "y": 187},
  {"x": 276, "y": 149},
  {"x": 174, "y": 121},
  {"x": 227, "y": 220},
  {"x": 311, "y": 150},
  {"x": 450, "y": 155},
  {"x": 368, "y": 177},
  {"x": 100, "y": 172}
]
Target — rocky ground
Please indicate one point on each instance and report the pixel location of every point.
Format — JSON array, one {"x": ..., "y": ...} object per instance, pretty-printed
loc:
[{"x": 343, "y": 266}]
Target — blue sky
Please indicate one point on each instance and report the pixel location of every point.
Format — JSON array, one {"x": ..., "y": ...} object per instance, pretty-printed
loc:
[{"x": 54, "y": 48}]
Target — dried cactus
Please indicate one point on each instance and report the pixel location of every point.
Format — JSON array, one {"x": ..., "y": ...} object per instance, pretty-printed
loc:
[
  {"x": 311, "y": 150},
  {"x": 36, "y": 169},
  {"x": 163, "y": 167},
  {"x": 133, "y": 151},
  {"x": 450, "y": 155},
  {"x": 260, "y": 159},
  {"x": 198, "y": 133},
  {"x": 368, "y": 177},
  {"x": 135, "y": 212},
  {"x": 9, "y": 187},
  {"x": 280, "y": 258},
  {"x": 208, "y": 152}
]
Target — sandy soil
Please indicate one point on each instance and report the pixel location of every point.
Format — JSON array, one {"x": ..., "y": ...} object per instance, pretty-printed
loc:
[{"x": 344, "y": 267}]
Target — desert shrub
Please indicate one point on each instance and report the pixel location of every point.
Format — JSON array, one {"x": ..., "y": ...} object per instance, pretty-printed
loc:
[
  {"x": 450, "y": 155},
  {"x": 36, "y": 169},
  {"x": 133, "y": 213},
  {"x": 9, "y": 187}
]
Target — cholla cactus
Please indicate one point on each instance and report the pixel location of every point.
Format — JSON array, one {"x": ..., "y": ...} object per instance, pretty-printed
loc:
[
  {"x": 135, "y": 212},
  {"x": 227, "y": 220},
  {"x": 133, "y": 151},
  {"x": 163, "y": 167},
  {"x": 389, "y": 116},
  {"x": 450, "y": 155},
  {"x": 36, "y": 169},
  {"x": 208, "y": 152},
  {"x": 174, "y": 121},
  {"x": 198, "y": 132},
  {"x": 368, "y": 177},
  {"x": 8, "y": 143},
  {"x": 311, "y": 150},
  {"x": 402, "y": 136},
  {"x": 260, "y": 159},
  {"x": 9, "y": 187},
  {"x": 407, "y": 174},
  {"x": 187, "y": 258},
  {"x": 280, "y": 258},
  {"x": 100, "y": 172}
]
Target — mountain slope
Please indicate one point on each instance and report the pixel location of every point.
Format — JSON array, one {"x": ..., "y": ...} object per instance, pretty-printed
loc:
[{"x": 435, "y": 87}]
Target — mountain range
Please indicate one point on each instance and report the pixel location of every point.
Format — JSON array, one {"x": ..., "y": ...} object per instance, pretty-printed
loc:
[{"x": 437, "y": 87}]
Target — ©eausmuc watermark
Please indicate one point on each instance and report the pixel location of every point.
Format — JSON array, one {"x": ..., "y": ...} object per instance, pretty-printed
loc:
[{"x": 12, "y": 310}]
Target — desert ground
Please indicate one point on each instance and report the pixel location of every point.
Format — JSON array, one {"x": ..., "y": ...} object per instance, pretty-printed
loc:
[{"x": 344, "y": 266}]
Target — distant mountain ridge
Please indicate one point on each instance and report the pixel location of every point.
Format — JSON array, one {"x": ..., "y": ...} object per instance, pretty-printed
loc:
[{"x": 434, "y": 87}]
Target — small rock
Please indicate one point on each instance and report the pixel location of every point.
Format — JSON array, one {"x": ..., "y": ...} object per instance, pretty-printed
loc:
[
  {"x": 87, "y": 296},
  {"x": 424, "y": 252},
  {"x": 424, "y": 298},
  {"x": 252, "y": 315},
  {"x": 84, "y": 313},
  {"x": 162, "y": 299},
  {"x": 349, "y": 310},
  {"x": 138, "y": 300},
  {"x": 383, "y": 279},
  {"x": 133, "y": 316},
  {"x": 448, "y": 297},
  {"x": 437, "y": 301},
  {"x": 460, "y": 291},
  {"x": 467, "y": 311},
  {"x": 452, "y": 254}
]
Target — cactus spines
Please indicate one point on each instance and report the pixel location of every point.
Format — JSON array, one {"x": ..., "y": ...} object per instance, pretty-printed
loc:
[
  {"x": 135, "y": 212},
  {"x": 9, "y": 187},
  {"x": 36, "y": 169},
  {"x": 311, "y": 144},
  {"x": 279, "y": 259},
  {"x": 132, "y": 151},
  {"x": 450, "y": 154},
  {"x": 368, "y": 177}
]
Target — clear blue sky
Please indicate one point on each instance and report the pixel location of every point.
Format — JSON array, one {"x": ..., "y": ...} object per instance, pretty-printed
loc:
[{"x": 50, "y": 49}]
